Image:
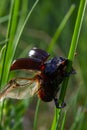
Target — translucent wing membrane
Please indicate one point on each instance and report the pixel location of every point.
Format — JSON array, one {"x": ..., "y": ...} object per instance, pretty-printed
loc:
[{"x": 20, "y": 88}]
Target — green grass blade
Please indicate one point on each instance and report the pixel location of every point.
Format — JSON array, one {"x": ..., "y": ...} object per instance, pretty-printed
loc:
[
  {"x": 4, "y": 19},
  {"x": 78, "y": 118},
  {"x": 13, "y": 39},
  {"x": 2, "y": 7},
  {"x": 27, "y": 18},
  {"x": 73, "y": 45},
  {"x": 36, "y": 115},
  {"x": 8, "y": 55},
  {"x": 13, "y": 34},
  {"x": 63, "y": 121},
  {"x": 56, "y": 119},
  {"x": 60, "y": 28},
  {"x": 77, "y": 29},
  {"x": 8, "y": 48},
  {"x": 53, "y": 127}
]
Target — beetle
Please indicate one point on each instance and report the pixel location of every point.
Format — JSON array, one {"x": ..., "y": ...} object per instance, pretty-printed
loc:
[{"x": 49, "y": 74}]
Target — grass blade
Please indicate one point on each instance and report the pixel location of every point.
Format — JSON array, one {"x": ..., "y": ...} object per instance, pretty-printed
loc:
[
  {"x": 36, "y": 115},
  {"x": 8, "y": 55},
  {"x": 73, "y": 47},
  {"x": 63, "y": 121},
  {"x": 60, "y": 28},
  {"x": 56, "y": 119}
]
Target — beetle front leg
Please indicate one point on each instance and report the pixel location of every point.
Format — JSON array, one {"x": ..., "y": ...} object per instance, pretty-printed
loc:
[
  {"x": 57, "y": 103},
  {"x": 67, "y": 74}
]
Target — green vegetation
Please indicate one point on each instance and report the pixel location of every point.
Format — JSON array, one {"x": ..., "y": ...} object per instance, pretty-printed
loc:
[{"x": 56, "y": 27}]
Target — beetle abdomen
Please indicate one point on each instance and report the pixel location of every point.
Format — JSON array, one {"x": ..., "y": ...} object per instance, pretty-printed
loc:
[{"x": 43, "y": 96}]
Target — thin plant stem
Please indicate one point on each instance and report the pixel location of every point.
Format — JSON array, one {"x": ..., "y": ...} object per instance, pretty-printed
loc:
[
  {"x": 1, "y": 116},
  {"x": 56, "y": 119},
  {"x": 36, "y": 114},
  {"x": 13, "y": 35},
  {"x": 60, "y": 28},
  {"x": 7, "y": 52},
  {"x": 26, "y": 20},
  {"x": 9, "y": 45},
  {"x": 73, "y": 48},
  {"x": 63, "y": 122}
]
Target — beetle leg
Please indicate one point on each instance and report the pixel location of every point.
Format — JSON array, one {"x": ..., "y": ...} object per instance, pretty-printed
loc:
[
  {"x": 69, "y": 73},
  {"x": 57, "y": 103}
]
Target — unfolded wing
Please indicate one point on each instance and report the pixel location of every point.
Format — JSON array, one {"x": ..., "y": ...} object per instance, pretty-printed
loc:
[{"x": 20, "y": 88}]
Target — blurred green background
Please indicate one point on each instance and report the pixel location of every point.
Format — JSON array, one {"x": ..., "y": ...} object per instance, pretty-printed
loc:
[{"x": 38, "y": 32}]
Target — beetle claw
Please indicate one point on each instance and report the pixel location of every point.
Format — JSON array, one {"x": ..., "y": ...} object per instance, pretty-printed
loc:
[
  {"x": 69, "y": 73},
  {"x": 58, "y": 104}
]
